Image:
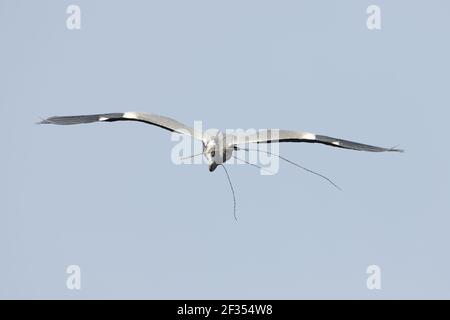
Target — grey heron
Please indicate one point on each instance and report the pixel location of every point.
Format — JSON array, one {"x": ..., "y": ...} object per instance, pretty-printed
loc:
[{"x": 219, "y": 148}]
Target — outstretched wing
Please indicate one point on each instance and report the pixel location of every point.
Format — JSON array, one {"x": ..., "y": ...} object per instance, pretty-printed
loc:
[
  {"x": 153, "y": 119},
  {"x": 272, "y": 135}
]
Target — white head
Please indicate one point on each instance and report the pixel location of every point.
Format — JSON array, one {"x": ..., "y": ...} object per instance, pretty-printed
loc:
[{"x": 216, "y": 151}]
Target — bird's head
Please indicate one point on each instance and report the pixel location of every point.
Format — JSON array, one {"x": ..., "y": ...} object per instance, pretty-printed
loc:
[
  {"x": 217, "y": 151},
  {"x": 209, "y": 150}
]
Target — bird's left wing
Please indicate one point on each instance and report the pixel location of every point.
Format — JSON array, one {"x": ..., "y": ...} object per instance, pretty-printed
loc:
[
  {"x": 153, "y": 119},
  {"x": 273, "y": 135}
]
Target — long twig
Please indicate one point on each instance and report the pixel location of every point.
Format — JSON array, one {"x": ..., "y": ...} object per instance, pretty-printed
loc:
[
  {"x": 295, "y": 164},
  {"x": 232, "y": 191}
]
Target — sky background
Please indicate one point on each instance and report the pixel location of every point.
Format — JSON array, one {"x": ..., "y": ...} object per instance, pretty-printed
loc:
[{"x": 108, "y": 198}]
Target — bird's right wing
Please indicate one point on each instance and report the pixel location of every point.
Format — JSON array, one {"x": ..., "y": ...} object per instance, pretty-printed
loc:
[{"x": 153, "y": 119}]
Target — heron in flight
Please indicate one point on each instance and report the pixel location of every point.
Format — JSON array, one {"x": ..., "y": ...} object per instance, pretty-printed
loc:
[{"x": 219, "y": 148}]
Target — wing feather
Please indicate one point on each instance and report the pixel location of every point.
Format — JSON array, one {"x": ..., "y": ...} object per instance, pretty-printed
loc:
[
  {"x": 273, "y": 135},
  {"x": 153, "y": 119}
]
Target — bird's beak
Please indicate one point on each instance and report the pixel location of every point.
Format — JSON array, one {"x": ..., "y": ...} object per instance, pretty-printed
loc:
[{"x": 212, "y": 166}]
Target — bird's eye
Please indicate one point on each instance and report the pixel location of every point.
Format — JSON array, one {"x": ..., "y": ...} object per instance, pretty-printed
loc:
[{"x": 213, "y": 153}]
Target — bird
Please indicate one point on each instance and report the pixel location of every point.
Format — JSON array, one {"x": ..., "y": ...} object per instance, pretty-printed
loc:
[{"x": 218, "y": 148}]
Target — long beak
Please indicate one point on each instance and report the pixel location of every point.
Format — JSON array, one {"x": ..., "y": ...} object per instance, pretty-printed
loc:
[{"x": 212, "y": 166}]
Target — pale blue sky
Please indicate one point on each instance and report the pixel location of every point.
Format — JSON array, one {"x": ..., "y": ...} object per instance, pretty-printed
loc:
[{"x": 107, "y": 197}]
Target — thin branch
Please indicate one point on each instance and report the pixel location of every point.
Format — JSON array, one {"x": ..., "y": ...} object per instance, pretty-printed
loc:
[
  {"x": 295, "y": 164},
  {"x": 232, "y": 191}
]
